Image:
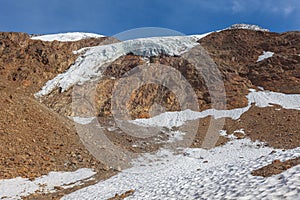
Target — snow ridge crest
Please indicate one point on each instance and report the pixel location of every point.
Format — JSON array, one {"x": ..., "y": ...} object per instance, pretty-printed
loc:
[{"x": 248, "y": 27}]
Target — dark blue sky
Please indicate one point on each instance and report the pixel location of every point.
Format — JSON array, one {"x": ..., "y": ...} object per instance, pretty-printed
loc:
[{"x": 110, "y": 17}]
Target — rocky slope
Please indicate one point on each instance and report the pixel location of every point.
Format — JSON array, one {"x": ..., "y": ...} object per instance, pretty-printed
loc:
[
  {"x": 235, "y": 51},
  {"x": 37, "y": 137},
  {"x": 34, "y": 139}
]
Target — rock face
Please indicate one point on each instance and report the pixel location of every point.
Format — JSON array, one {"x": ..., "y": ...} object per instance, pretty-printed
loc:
[
  {"x": 235, "y": 51},
  {"x": 33, "y": 62}
]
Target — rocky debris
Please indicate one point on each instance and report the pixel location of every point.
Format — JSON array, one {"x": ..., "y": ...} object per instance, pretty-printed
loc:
[
  {"x": 203, "y": 127},
  {"x": 277, "y": 127},
  {"x": 61, "y": 102},
  {"x": 36, "y": 140},
  {"x": 33, "y": 62},
  {"x": 122, "y": 196},
  {"x": 236, "y": 52},
  {"x": 276, "y": 167},
  {"x": 280, "y": 74}
]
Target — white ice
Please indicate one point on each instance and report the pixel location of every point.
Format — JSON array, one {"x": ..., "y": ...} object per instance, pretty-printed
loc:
[
  {"x": 66, "y": 37},
  {"x": 91, "y": 63}
]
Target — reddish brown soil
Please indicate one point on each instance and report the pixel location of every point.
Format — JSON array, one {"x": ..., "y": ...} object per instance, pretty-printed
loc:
[
  {"x": 35, "y": 140},
  {"x": 122, "y": 196},
  {"x": 276, "y": 167},
  {"x": 278, "y": 128}
]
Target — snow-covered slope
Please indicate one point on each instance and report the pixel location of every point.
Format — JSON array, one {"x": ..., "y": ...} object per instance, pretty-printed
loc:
[
  {"x": 90, "y": 64},
  {"x": 220, "y": 173},
  {"x": 247, "y": 26},
  {"x": 66, "y": 37},
  {"x": 260, "y": 99},
  {"x": 12, "y": 189}
]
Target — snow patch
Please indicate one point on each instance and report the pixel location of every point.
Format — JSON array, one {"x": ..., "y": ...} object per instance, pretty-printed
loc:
[
  {"x": 200, "y": 36},
  {"x": 242, "y": 131},
  {"x": 231, "y": 136},
  {"x": 220, "y": 173},
  {"x": 21, "y": 187},
  {"x": 265, "y": 55},
  {"x": 267, "y": 98},
  {"x": 83, "y": 120},
  {"x": 259, "y": 98},
  {"x": 90, "y": 64},
  {"x": 66, "y": 37},
  {"x": 248, "y": 27},
  {"x": 174, "y": 136},
  {"x": 223, "y": 133}
]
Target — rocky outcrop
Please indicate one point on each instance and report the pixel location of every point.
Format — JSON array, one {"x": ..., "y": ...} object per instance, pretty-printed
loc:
[
  {"x": 235, "y": 52},
  {"x": 33, "y": 62}
]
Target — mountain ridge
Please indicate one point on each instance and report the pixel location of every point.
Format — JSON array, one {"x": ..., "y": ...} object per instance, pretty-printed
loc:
[{"x": 26, "y": 65}]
